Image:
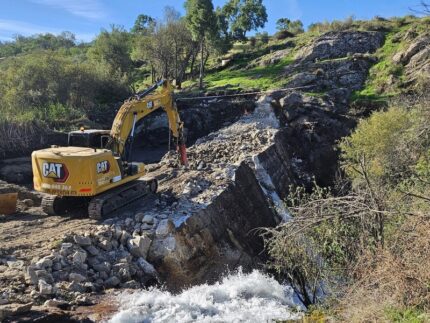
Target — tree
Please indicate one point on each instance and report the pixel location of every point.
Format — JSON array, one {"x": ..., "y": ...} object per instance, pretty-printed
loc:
[
  {"x": 294, "y": 27},
  {"x": 202, "y": 23},
  {"x": 423, "y": 8},
  {"x": 142, "y": 24},
  {"x": 112, "y": 49},
  {"x": 283, "y": 24},
  {"x": 168, "y": 47},
  {"x": 244, "y": 16}
]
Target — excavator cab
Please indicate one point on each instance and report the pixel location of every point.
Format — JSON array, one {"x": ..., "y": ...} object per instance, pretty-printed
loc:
[{"x": 90, "y": 138}]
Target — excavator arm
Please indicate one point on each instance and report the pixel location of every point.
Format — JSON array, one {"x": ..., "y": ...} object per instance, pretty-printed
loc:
[{"x": 138, "y": 107}]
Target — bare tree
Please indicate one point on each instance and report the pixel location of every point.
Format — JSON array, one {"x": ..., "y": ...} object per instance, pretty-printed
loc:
[{"x": 423, "y": 8}]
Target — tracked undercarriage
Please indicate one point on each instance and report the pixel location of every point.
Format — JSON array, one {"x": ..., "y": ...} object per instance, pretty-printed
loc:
[{"x": 103, "y": 204}]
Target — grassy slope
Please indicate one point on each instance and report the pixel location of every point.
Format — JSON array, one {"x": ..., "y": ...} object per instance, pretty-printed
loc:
[
  {"x": 385, "y": 79},
  {"x": 240, "y": 74}
]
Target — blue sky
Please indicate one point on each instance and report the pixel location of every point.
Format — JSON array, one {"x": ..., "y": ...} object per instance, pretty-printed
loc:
[{"x": 85, "y": 18}]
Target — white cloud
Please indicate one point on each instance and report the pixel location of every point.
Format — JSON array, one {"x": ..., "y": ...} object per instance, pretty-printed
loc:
[
  {"x": 90, "y": 9},
  {"x": 14, "y": 27}
]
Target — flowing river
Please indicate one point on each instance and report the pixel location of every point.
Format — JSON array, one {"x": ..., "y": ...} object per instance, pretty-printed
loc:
[{"x": 238, "y": 297}]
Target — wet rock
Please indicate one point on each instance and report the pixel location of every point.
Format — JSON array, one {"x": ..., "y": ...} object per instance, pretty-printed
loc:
[
  {"x": 146, "y": 267},
  {"x": 131, "y": 284},
  {"x": 83, "y": 300}
]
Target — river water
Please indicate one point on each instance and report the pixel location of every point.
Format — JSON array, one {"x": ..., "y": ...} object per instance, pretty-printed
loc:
[{"x": 238, "y": 297}]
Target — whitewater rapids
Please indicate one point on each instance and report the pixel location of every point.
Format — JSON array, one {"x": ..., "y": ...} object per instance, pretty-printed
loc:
[{"x": 238, "y": 297}]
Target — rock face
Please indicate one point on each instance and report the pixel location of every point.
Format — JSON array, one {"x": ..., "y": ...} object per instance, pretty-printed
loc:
[
  {"x": 416, "y": 59},
  {"x": 340, "y": 44},
  {"x": 200, "y": 118},
  {"x": 337, "y": 63}
]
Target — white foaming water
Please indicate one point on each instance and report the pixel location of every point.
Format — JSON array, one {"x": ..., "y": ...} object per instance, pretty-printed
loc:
[{"x": 239, "y": 297}]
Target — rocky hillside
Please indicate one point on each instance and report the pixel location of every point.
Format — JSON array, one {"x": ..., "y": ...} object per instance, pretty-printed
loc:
[{"x": 245, "y": 156}]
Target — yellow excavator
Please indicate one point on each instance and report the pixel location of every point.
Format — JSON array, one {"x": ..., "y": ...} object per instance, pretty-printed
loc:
[{"x": 96, "y": 169}]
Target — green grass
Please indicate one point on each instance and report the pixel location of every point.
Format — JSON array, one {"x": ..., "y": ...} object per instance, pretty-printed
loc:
[
  {"x": 409, "y": 315},
  {"x": 377, "y": 85},
  {"x": 258, "y": 77}
]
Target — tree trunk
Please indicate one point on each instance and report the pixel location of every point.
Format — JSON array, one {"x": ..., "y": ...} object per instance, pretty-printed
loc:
[
  {"x": 193, "y": 61},
  {"x": 202, "y": 64}
]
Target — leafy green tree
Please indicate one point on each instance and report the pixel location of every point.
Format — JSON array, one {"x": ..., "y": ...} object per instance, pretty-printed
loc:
[
  {"x": 22, "y": 44},
  {"x": 244, "y": 16},
  {"x": 202, "y": 23},
  {"x": 112, "y": 49},
  {"x": 283, "y": 24},
  {"x": 143, "y": 23},
  {"x": 294, "y": 27}
]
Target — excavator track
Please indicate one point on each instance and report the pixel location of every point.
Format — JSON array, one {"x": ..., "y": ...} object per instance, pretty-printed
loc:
[
  {"x": 108, "y": 202},
  {"x": 55, "y": 205}
]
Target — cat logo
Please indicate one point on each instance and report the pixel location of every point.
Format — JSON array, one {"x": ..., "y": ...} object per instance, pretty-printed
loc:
[
  {"x": 58, "y": 172},
  {"x": 103, "y": 167}
]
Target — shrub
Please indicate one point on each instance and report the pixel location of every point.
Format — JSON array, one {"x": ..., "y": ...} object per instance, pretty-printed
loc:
[
  {"x": 325, "y": 236},
  {"x": 283, "y": 34}
]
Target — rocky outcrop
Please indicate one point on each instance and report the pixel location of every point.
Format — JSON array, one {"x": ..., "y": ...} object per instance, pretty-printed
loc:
[
  {"x": 416, "y": 59},
  {"x": 340, "y": 44}
]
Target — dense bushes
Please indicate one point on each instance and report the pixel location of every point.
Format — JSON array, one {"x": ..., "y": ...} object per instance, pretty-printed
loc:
[
  {"x": 22, "y": 44},
  {"x": 51, "y": 87}
]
